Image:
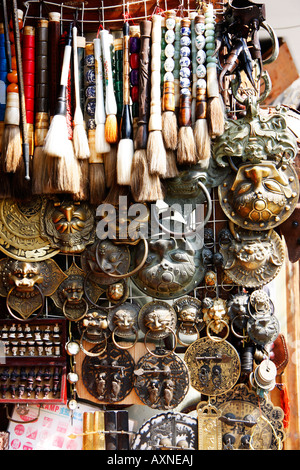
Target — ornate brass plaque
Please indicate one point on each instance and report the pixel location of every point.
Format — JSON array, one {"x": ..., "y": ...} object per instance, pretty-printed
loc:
[
  {"x": 161, "y": 382},
  {"x": 251, "y": 258},
  {"x": 209, "y": 427},
  {"x": 20, "y": 235},
  {"x": 214, "y": 366}
]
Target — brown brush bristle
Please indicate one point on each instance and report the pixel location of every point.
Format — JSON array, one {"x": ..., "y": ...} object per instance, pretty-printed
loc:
[
  {"x": 83, "y": 194},
  {"x": 203, "y": 142},
  {"x": 172, "y": 170},
  {"x": 97, "y": 183},
  {"x": 111, "y": 129},
  {"x": 170, "y": 130},
  {"x": 156, "y": 154},
  {"x": 11, "y": 148},
  {"x": 186, "y": 150},
  {"x": 110, "y": 165},
  {"x": 38, "y": 171},
  {"x": 215, "y": 117},
  {"x": 115, "y": 192},
  {"x": 144, "y": 187}
]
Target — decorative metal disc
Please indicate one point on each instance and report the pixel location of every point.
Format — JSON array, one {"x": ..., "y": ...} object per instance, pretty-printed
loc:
[
  {"x": 261, "y": 196},
  {"x": 214, "y": 366},
  {"x": 241, "y": 404},
  {"x": 252, "y": 258},
  {"x": 161, "y": 382},
  {"x": 116, "y": 261},
  {"x": 167, "y": 431},
  {"x": 20, "y": 236},
  {"x": 109, "y": 377}
]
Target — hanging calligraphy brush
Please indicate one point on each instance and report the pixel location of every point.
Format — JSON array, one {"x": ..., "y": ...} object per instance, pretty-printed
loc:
[
  {"x": 144, "y": 187},
  {"x": 111, "y": 123},
  {"x": 80, "y": 141},
  {"x": 11, "y": 140},
  {"x": 28, "y": 61},
  {"x": 156, "y": 152},
  {"x": 63, "y": 172},
  {"x": 169, "y": 118},
  {"x": 41, "y": 105},
  {"x": 125, "y": 147},
  {"x": 215, "y": 112},
  {"x": 134, "y": 49},
  {"x": 202, "y": 137},
  {"x": 102, "y": 146},
  {"x": 186, "y": 150},
  {"x": 3, "y": 79}
]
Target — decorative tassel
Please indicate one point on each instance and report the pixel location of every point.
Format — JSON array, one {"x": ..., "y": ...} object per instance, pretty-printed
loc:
[{"x": 285, "y": 404}]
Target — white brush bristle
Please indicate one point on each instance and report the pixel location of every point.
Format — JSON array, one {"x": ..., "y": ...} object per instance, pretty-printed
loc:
[
  {"x": 56, "y": 140},
  {"x": 80, "y": 142},
  {"x": 101, "y": 145},
  {"x": 124, "y": 161}
]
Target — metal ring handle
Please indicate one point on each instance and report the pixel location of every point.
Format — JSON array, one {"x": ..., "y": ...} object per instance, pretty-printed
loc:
[
  {"x": 275, "y": 43},
  {"x": 134, "y": 271},
  {"x": 25, "y": 319},
  {"x": 217, "y": 339},
  {"x": 68, "y": 317},
  {"x": 234, "y": 332},
  {"x": 199, "y": 227},
  {"x": 23, "y": 422},
  {"x": 124, "y": 347},
  {"x": 88, "y": 353},
  {"x": 178, "y": 332},
  {"x": 161, "y": 355}
]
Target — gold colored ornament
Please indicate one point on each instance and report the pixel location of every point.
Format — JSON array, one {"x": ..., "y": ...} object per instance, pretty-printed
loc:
[
  {"x": 25, "y": 284},
  {"x": 214, "y": 366},
  {"x": 215, "y": 313},
  {"x": 69, "y": 296},
  {"x": 261, "y": 196},
  {"x": 251, "y": 258},
  {"x": 209, "y": 427},
  {"x": 20, "y": 235},
  {"x": 68, "y": 225}
]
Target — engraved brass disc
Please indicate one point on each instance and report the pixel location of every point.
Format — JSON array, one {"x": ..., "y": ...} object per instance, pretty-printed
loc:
[
  {"x": 214, "y": 366},
  {"x": 20, "y": 236}
]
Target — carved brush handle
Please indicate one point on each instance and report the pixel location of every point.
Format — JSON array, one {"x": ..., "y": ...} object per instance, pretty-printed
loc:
[
  {"x": 185, "y": 101},
  {"x": 185, "y": 111},
  {"x": 144, "y": 85},
  {"x": 155, "y": 122},
  {"x": 110, "y": 99},
  {"x": 53, "y": 59},
  {"x": 100, "y": 108},
  {"x": 6, "y": 36},
  {"x": 126, "y": 124}
]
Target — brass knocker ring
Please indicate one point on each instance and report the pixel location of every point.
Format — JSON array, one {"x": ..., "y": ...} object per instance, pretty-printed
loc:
[
  {"x": 178, "y": 332},
  {"x": 161, "y": 355},
  {"x": 71, "y": 317},
  {"x": 233, "y": 330},
  {"x": 114, "y": 332},
  {"x": 89, "y": 353},
  {"x": 21, "y": 318},
  {"x": 217, "y": 339}
]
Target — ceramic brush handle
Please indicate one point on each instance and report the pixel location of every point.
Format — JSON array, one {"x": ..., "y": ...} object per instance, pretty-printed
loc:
[
  {"x": 100, "y": 108},
  {"x": 110, "y": 99}
]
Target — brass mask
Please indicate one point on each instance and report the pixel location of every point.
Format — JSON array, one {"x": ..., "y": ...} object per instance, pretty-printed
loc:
[
  {"x": 260, "y": 196},
  {"x": 68, "y": 225}
]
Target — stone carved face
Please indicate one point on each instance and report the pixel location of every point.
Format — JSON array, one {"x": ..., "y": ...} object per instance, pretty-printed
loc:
[
  {"x": 25, "y": 275},
  {"x": 170, "y": 270}
]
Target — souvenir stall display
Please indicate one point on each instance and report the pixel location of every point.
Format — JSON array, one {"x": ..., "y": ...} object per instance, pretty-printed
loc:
[{"x": 143, "y": 187}]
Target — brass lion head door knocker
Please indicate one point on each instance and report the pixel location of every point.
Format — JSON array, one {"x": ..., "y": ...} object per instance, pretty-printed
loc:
[{"x": 25, "y": 285}]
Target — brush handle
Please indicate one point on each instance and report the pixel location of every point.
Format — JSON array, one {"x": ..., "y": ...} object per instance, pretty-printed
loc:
[
  {"x": 144, "y": 85},
  {"x": 41, "y": 83},
  {"x": 155, "y": 121},
  {"x": 168, "y": 100},
  {"x": 76, "y": 72},
  {"x": 100, "y": 108},
  {"x": 61, "y": 104},
  {"x": 200, "y": 67},
  {"x": 53, "y": 62},
  {"x": 28, "y": 54},
  {"x": 23, "y": 122},
  {"x": 6, "y": 36},
  {"x": 126, "y": 123},
  {"x": 126, "y": 66},
  {"x": 110, "y": 99},
  {"x": 185, "y": 101},
  {"x": 3, "y": 74}
]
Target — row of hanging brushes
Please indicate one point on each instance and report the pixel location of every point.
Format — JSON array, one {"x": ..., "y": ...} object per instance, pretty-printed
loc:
[{"x": 114, "y": 114}]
